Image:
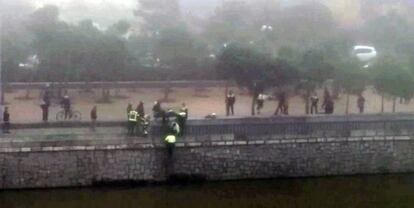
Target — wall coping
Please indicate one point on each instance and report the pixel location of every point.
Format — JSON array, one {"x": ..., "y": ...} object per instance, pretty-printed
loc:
[
  {"x": 235, "y": 121},
  {"x": 121, "y": 145}
]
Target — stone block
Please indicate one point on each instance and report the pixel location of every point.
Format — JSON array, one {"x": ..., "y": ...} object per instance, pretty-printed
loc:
[
  {"x": 402, "y": 138},
  {"x": 240, "y": 142}
]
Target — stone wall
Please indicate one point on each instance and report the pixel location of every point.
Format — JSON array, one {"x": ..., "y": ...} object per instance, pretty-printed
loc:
[{"x": 267, "y": 148}]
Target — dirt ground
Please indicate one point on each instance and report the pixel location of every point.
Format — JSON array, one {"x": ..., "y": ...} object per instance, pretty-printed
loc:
[{"x": 210, "y": 101}]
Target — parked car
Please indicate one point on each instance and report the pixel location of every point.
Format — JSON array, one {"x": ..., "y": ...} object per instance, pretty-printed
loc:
[{"x": 366, "y": 54}]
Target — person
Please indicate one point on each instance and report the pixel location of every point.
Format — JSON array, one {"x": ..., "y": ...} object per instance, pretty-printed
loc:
[
  {"x": 230, "y": 101},
  {"x": 170, "y": 140},
  {"x": 282, "y": 105},
  {"x": 184, "y": 109},
  {"x": 140, "y": 109},
  {"x": 326, "y": 97},
  {"x": 128, "y": 109},
  {"x": 132, "y": 121},
  {"x": 45, "y": 111},
  {"x": 329, "y": 106},
  {"x": 6, "y": 120},
  {"x": 46, "y": 95},
  {"x": 314, "y": 103},
  {"x": 260, "y": 102},
  {"x": 157, "y": 110},
  {"x": 361, "y": 103},
  {"x": 286, "y": 107},
  {"x": 144, "y": 122},
  {"x": 65, "y": 103},
  {"x": 182, "y": 118},
  {"x": 94, "y": 116}
]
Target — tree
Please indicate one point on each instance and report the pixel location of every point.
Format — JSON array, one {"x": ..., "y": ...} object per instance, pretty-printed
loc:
[
  {"x": 253, "y": 70},
  {"x": 313, "y": 68},
  {"x": 119, "y": 28},
  {"x": 306, "y": 25},
  {"x": 391, "y": 78},
  {"x": 351, "y": 78},
  {"x": 378, "y": 30},
  {"x": 177, "y": 48}
]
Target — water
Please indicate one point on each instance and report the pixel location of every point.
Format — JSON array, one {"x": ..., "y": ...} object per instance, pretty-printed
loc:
[{"x": 359, "y": 191}]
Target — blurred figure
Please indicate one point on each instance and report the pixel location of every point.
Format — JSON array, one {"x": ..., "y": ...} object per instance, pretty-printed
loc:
[
  {"x": 282, "y": 106},
  {"x": 140, "y": 109},
  {"x": 184, "y": 110},
  {"x": 157, "y": 110},
  {"x": 326, "y": 97},
  {"x": 230, "y": 101},
  {"x": 45, "y": 111},
  {"x": 211, "y": 116},
  {"x": 46, "y": 95},
  {"x": 329, "y": 106},
  {"x": 94, "y": 116},
  {"x": 260, "y": 102},
  {"x": 182, "y": 118},
  {"x": 132, "y": 121},
  {"x": 286, "y": 107},
  {"x": 6, "y": 120},
  {"x": 65, "y": 103},
  {"x": 128, "y": 109},
  {"x": 361, "y": 103},
  {"x": 314, "y": 103}
]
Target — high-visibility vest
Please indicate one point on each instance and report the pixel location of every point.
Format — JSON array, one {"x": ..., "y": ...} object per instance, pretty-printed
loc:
[
  {"x": 170, "y": 139},
  {"x": 132, "y": 116}
]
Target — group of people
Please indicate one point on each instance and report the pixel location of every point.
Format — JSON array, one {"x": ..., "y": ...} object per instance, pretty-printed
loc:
[
  {"x": 138, "y": 122},
  {"x": 65, "y": 103},
  {"x": 328, "y": 104},
  {"x": 231, "y": 100}
]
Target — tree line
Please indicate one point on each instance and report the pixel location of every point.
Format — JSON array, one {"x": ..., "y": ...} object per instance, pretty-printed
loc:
[{"x": 259, "y": 45}]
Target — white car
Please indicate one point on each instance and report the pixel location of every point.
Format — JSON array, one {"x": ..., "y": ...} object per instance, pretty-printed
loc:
[{"x": 365, "y": 54}]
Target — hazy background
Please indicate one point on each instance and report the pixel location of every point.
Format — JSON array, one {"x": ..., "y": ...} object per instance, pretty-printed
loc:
[{"x": 106, "y": 12}]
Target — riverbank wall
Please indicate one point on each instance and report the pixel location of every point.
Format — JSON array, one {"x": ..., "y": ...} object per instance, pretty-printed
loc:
[{"x": 224, "y": 149}]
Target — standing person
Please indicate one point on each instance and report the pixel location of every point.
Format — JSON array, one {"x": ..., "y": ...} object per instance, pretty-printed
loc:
[
  {"x": 157, "y": 110},
  {"x": 140, "y": 109},
  {"x": 132, "y": 121},
  {"x": 286, "y": 107},
  {"x": 230, "y": 101},
  {"x": 361, "y": 103},
  {"x": 182, "y": 118},
  {"x": 45, "y": 111},
  {"x": 260, "y": 102},
  {"x": 326, "y": 97},
  {"x": 329, "y": 106},
  {"x": 66, "y": 106},
  {"x": 94, "y": 116},
  {"x": 314, "y": 103},
  {"x": 6, "y": 121},
  {"x": 129, "y": 108},
  {"x": 281, "y": 103}
]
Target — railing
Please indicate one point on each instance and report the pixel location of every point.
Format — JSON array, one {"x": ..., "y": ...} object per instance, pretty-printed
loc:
[{"x": 295, "y": 125}]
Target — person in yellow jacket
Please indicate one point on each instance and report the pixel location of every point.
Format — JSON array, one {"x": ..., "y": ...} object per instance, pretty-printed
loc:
[
  {"x": 171, "y": 137},
  {"x": 132, "y": 121}
]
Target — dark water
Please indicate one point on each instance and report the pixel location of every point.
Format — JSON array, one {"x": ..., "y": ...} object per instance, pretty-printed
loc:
[{"x": 360, "y": 191}]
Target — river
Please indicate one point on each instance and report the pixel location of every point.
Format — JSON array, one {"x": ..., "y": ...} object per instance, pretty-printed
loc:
[{"x": 336, "y": 192}]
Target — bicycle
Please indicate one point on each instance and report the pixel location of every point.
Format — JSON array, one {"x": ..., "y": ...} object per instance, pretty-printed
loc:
[{"x": 73, "y": 115}]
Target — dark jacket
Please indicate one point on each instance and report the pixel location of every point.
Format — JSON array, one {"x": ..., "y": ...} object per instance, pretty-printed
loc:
[{"x": 6, "y": 117}]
